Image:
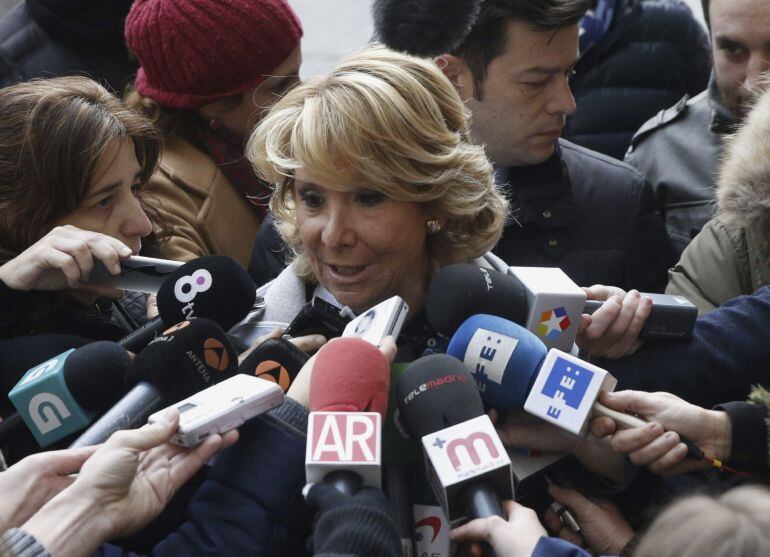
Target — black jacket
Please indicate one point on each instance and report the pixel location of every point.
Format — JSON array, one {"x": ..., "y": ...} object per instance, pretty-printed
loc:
[
  {"x": 654, "y": 53},
  {"x": 49, "y": 38},
  {"x": 590, "y": 215}
]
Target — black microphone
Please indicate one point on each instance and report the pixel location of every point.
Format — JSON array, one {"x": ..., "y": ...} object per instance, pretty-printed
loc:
[
  {"x": 186, "y": 359},
  {"x": 213, "y": 286},
  {"x": 439, "y": 403},
  {"x": 64, "y": 394},
  {"x": 459, "y": 291},
  {"x": 424, "y": 27},
  {"x": 276, "y": 360}
]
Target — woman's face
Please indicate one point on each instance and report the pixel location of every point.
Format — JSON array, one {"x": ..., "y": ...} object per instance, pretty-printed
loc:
[
  {"x": 363, "y": 247},
  {"x": 111, "y": 205}
]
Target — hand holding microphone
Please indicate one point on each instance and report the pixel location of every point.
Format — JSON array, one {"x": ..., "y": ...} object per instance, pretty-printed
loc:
[{"x": 657, "y": 444}]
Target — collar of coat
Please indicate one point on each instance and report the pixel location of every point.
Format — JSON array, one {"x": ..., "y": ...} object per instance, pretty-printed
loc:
[
  {"x": 540, "y": 194},
  {"x": 743, "y": 186}
]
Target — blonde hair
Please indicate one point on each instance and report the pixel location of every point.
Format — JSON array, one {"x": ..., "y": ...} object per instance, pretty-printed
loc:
[
  {"x": 736, "y": 524},
  {"x": 395, "y": 123}
]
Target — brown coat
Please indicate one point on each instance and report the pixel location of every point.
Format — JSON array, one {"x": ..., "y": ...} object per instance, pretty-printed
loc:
[
  {"x": 731, "y": 255},
  {"x": 204, "y": 213}
]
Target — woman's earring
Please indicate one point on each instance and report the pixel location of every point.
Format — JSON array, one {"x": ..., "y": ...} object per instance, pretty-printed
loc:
[
  {"x": 214, "y": 123},
  {"x": 433, "y": 226}
]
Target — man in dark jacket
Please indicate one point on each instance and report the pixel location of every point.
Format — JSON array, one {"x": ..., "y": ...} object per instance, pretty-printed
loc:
[
  {"x": 590, "y": 215},
  {"x": 47, "y": 38},
  {"x": 679, "y": 149},
  {"x": 637, "y": 57}
]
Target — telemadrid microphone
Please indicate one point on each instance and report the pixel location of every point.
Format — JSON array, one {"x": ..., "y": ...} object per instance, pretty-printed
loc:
[
  {"x": 64, "y": 394},
  {"x": 348, "y": 401},
  {"x": 186, "y": 359},
  {"x": 424, "y": 27},
  {"x": 438, "y": 403},
  {"x": 277, "y": 360},
  {"x": 213, "y": 286}
]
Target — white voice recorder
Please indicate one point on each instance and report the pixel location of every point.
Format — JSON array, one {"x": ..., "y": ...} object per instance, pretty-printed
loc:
[
  {"x": 384, "y": 319},
  {"x": 222, "y": 407}
]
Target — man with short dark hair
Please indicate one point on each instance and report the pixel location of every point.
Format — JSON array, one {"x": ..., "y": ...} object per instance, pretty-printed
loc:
[
  {"x": 590, "y": 215},
  {"x": 679, "y": 149}
]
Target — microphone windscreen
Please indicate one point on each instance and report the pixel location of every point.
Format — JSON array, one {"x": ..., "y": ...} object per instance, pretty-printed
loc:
[
  {"x": 214, "y": 287},
  {"x": 185, "y": 359},
  {"x": 424, "y": 27},
  {"x": 459, "y": 291},
  {"x": 276, "y": 360},
  {"x": 503, "y": 358},
  {"x": 350, "y": 375},
  {"x": 435, "y": 392},
  {"x": 95, "y": 374}
]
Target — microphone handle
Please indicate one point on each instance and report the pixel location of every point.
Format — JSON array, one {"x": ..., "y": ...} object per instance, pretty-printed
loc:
[
  {"x": 130, "y": 412},
  {"x": 480, "y": 500},
  {"x": 345, "y": 481},
  {"x": 141, "y": 337}
]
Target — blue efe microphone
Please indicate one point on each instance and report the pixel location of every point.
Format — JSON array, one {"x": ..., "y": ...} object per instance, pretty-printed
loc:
[
  {"x": 503, "y": 357},
  {"x": 64, "y": 394}
]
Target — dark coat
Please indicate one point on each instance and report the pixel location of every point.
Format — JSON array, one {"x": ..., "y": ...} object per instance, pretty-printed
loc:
[
  {"x": 654, "y": 53},
  {"x": 49, "y": 38},
  {"x": 590, "y": 215}
]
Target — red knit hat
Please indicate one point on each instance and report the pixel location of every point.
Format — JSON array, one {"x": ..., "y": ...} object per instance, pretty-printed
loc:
[{"x": 194, "y": 52}]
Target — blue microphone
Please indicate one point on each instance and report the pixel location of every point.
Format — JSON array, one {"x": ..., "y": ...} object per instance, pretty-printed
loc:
[{"x": 64, "y": 394}]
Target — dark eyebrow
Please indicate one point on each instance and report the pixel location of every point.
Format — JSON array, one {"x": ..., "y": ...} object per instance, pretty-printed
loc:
[
  {"x": 109, "y": 188},
  {"x": 723, "y": 41}
]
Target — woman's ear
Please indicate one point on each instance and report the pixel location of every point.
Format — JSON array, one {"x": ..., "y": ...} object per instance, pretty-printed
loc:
[{"x": 458, "y": 72}]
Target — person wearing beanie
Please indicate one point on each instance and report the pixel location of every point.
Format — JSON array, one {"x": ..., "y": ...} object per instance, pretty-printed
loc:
[{"x": 208, "y": 70}]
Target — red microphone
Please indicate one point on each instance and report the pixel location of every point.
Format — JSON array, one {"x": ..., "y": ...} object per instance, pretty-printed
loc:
[{"x": 348, "y": 401}]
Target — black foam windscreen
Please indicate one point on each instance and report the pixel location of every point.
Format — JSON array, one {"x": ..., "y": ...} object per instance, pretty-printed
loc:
[
  {"x": 424, "y": 27},
  {"x": 185, "y": 359},
  {"x": 214, "y": 287},
  {"x": 276, "y": 360},
  {"x": 435, "y": 392},
  {"x": 95, "y": 374},
  {"x": 460, "y": 291}
]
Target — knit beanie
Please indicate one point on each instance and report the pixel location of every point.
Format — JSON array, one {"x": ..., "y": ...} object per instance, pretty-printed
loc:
[{"x": 193, "y": 52}]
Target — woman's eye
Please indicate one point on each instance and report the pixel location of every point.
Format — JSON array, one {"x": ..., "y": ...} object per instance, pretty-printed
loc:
[
  {"x": 370, "y": 198},
  {"x": 311, "y": 199},
  {"x": 136, "y": 189},
  {"x": 105, "y": 202}
]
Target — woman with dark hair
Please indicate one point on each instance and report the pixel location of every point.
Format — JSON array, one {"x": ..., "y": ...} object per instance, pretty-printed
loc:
[{"x": 73, "y": 162}]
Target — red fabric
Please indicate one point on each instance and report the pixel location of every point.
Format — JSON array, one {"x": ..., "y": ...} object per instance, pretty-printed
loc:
[
  {"x": 193, "y": 52},
  {"x": 350, "y": 375}
]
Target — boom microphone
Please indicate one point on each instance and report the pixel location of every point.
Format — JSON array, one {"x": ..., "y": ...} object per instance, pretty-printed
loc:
[
  {"x": 424, "y": 27},
  {"x": 348, "y": 400},
  {"x": 64, "y": 394},
  {"x": 187, "y": 358}
]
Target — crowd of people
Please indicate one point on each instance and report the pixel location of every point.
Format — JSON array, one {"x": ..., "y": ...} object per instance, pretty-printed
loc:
[{"x": 616, "y": 140}]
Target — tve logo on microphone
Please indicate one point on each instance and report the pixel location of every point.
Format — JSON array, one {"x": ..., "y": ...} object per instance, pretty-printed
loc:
[
  {"x": 565, "y": 390},
  {"x": 344, "y": 441},
  {"x": 471, "y": 450},
  {"x": 45, "y": 404}
]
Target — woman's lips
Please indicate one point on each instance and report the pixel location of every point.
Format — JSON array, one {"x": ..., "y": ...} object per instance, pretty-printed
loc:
[{"x": 346, "y": 274}]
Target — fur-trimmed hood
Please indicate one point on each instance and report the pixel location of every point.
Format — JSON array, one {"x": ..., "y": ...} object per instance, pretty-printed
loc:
[{"x": 743, "y": 193}]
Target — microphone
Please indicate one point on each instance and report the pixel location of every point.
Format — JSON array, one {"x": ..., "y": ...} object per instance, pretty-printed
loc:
[
  {"x": 64, "y": 394},
  {"x": 186, "y": 359},
  {"x": 542, "y": 299},
  {"x": 213, "y": 286},
  {"x": 276, "y": 360},
  {"x": 348, "y": 400},
  {"x": 671, "y": 317},
  {"x": 469, "y": 467},
  {"x": 424, "y": 27},
  {"x": 515, "y": 370}
]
